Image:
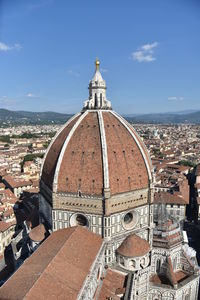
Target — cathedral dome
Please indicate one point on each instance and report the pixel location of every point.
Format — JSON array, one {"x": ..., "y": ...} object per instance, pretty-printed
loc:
[
  {"x": 133, "y": 246},
  {"x": 96, "y": 151}
]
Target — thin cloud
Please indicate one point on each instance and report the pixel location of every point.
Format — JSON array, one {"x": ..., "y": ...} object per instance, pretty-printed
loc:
[
  {"x": 145, "y": 53},
  {"x": 175, "y": 98},
  {"x": 149, "y": 47},
  {"x": 31, "y": 95},
  {"x": 4, "y": 47}
]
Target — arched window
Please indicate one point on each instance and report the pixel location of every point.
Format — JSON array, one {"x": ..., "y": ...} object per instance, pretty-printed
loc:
[
  {"x": 132, "y": 264},
  {"x": 101, "y": 100},
  {"x": 121, "y": 260},
  {"x": 96, "y": 102},
  {"x": 175, "y": 263},
  {"x": 158, "y": 265}
]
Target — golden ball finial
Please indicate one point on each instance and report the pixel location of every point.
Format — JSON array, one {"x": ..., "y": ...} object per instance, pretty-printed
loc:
[{"x": 97, "y": 63}]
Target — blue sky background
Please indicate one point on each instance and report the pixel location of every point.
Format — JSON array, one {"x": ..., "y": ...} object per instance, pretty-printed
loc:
[{"x": 149, "y": 53}]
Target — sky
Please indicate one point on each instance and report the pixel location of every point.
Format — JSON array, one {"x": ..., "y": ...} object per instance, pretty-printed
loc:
[{"x": 149, "y": 53}]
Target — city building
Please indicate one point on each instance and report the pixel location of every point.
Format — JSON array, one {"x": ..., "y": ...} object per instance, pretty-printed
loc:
[
  {"x": 174, "y": 267},
  {"x": 197, "y": 188}
]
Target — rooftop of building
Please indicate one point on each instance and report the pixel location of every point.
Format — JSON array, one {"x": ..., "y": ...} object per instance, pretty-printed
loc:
[
  {"x": 133, "y": 246},
  {"x": 113, "y": 286},
  {"x": 57, "y": 269}
]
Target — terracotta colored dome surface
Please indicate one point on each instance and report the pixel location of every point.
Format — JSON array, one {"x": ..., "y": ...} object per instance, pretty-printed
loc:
[
  {"x": 133, "y": 246},
  {"x": 81, "y": 167},
  {"x": 53, "y": 154},
  {"x": 127, "y": 170},
  {"x": 78, "y": 160},
  {"x": 37, "y": 234}
]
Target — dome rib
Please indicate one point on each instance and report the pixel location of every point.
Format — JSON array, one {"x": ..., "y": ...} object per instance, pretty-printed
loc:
[
  {"x": 55, "y": 181},
  {"x": 135, "y": 137},
  {"x": 104, "y": 151}
]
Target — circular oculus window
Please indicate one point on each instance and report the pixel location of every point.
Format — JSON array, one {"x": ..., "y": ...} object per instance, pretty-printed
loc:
[
  {"x": 79, "y": 219},
  {"x": 130, "y": 220}
]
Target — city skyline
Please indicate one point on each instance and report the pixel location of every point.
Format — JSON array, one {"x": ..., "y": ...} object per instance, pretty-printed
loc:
[{"x": 47, "y": 53}]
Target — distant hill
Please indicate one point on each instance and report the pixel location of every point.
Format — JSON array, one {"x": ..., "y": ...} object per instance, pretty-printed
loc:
[
  {"x": 8, "y": 117},
  {"x": 167, "y": 118}
]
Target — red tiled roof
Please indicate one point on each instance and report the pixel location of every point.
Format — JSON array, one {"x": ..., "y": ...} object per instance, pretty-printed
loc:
[
  {"x": 159, "y": 279},
  {"x": 37, "y": 234},
  {"x": 113, "y": 285},
  {"x": 197, "y": 171},
  {"x": 57, "y": 269},
  {"x": 170, "y": 272},
  {"x": 180, "y": 276},
  {"x": 133, "y": 246},
  {"x": 5, "y": 225},
  {"x": 14, "y": 183},
  {"x": 165, "y": 197},
  {"x": 8, "y": 212},
  {"x": 2, "y": 185}
]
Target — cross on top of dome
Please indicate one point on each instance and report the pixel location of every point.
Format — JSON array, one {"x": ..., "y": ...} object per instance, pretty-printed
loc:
[
  {"x": 97, "y": 91},
  {"x": 97, "y": 63}
]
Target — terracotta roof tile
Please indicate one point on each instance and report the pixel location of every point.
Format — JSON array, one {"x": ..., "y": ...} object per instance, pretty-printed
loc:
[
  {"x": 15, "y": 183},
  {"x": 165, "y": 197},
  {"x": 53, "y": 154},
  {"x": 113, "y": 285},
  {"x": 170, "y": 272},
  {"x": 127, "y": 170},
  {"x": 81, "y": 168},
  {"x": 5, "y": 225},
  {"x": 57, "y": 269},
  {"x": 37, "y": 234},
  {"x": 133, "y": 246}
]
